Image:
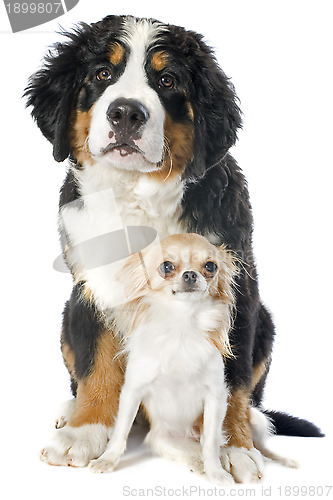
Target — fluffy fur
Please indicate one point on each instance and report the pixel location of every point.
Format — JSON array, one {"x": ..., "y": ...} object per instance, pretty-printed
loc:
[
  {"x": 175, "y": 333},
  {"x": 146, "y": 117}
]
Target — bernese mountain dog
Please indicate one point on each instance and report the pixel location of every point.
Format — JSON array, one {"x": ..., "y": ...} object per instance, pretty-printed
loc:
[{"x": 146, "y": 117}]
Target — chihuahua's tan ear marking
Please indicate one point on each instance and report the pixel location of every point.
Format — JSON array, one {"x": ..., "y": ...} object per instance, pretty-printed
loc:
[
  {"x": 145, "y": 269},
  {"x": 134, "y": 277}
]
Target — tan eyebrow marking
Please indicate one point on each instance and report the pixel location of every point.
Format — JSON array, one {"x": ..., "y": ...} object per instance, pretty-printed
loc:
[
  {"x": 159, "y": 60},
  {"x": 190, "y": 111},
  {"x": 117, "y": 53}
]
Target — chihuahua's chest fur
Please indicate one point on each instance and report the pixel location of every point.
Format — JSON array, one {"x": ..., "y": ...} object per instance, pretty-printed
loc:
[{"x": 173, "y": 363}]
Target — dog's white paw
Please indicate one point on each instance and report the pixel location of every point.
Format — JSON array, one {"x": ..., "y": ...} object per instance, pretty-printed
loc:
[
  {"x": 220, "y": 476},
  {"x": 102, "y": 465},
  {"x": 245, "y": 465},
  {"x": 196, "y": 464},
  {"x": 286, "y": 461},
  {"x": 76, "y": 446},
  {"x": 289, "y": 462},
  {"x": 65, "y": 412}
]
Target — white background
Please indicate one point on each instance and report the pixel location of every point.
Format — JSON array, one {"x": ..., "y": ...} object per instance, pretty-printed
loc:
[{"x": 279, "y": 55}]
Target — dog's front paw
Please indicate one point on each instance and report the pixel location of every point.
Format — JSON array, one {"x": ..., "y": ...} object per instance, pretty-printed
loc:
[
  {"x": 220, "y": 476},
  {"x": 76, "y": 446},
  {"x": 196, "y": 464},
  {"x": 102, "y": 465},
  {"x": 245, "y": 465}
]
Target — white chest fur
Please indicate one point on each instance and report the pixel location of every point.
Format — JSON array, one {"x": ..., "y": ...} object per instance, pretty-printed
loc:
[
  {"x": 173, "y": 364},
  {"x": 113, "y": 199}
]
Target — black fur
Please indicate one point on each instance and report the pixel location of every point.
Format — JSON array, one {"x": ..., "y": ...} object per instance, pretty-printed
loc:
[
  {"x": 216, "y": 198},
  {"x": 80, "y": 331},
  {"x": 287, "y": 425}
]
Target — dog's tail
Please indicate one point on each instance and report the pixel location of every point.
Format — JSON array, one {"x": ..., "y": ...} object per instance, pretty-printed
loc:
[
  {"x": 267, "y": 423},
  {"x": 287, "y": 425}
]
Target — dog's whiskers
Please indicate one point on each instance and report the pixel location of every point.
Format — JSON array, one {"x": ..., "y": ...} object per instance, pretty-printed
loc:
[
  {"x": 85, "y": 145},
  {"x": 168, "y": 154}
]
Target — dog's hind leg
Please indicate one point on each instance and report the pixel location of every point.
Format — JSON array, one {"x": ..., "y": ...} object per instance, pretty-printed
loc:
[
  {"x": 262, "y": 430},
  {"x": 65, "y": 413}
]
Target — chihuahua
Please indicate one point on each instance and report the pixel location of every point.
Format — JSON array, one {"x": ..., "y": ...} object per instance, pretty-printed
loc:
[{"x": 174, "y": 329}]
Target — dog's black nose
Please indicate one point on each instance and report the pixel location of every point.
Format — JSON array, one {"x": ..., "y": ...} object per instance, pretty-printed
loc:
[
  {"x": 127, "y": 117},
  {"x": 190, "y": 277}
]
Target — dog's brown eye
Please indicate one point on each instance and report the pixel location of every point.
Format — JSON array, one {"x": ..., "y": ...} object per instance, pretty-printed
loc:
[
  {"x": 166, "y": 268},
  {"x": 166, "y": 81},
  {"x": 211, "y": 267},
  {"x": 104, "y": 74}
]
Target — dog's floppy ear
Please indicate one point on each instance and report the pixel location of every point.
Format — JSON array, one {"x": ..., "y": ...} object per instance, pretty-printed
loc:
[
  {"x": 217, "y": 116},
  {"x": 51, "y": 92}
]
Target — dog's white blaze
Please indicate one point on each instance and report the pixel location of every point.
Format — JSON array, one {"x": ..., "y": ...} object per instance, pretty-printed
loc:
[{"x": 132, "y": 84}]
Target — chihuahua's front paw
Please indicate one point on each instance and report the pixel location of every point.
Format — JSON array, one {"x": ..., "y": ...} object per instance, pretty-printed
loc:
[
  {"x": 220, "y": 477},
  {"x": 102, "y": 465}
]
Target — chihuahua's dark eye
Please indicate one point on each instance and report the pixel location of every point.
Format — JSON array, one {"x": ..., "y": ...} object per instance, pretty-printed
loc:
[
  {"x": 167, "y": 267},
  {"x": 211, "y": 267},
  {"x": 104, "y": 74}
]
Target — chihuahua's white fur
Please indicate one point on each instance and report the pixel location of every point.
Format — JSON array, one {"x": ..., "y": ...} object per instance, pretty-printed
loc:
[{"x": 177, "y": 372}]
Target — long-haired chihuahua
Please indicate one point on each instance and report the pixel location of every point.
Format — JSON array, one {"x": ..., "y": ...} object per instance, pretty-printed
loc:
[{"x": 175, "y": 332}]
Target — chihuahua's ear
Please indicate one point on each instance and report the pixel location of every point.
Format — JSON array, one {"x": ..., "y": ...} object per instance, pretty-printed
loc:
[
  {"x": 134, "y": 277},
  {"x": 227, "y": 273}
]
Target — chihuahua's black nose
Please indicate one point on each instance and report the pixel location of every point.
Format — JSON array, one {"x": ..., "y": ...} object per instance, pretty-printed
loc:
[
  {"x": 126, "y": 117},
  {"x": 190, "y": 277}
]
